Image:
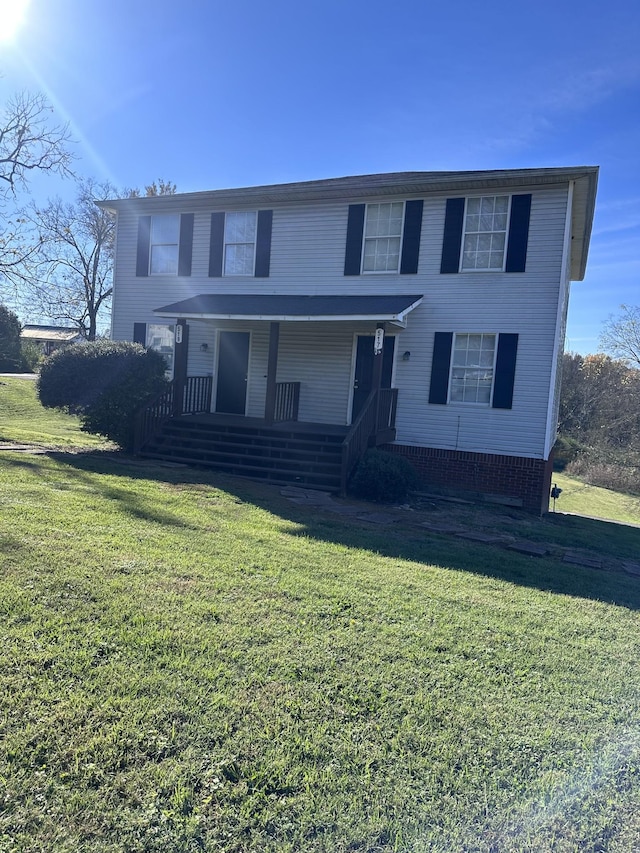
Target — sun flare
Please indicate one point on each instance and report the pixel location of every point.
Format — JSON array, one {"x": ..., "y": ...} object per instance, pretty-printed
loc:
[{"x": 12, "y": 16}]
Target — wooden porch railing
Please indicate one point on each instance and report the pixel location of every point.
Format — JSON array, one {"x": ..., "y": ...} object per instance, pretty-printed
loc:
[
  {"x": 287, "y": 401},
  {"x": 196, "y": 397},
  {"x": 378, "y": 415}
]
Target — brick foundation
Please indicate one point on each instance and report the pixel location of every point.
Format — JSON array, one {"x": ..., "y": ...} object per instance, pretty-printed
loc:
[{"x": 523, "y": 479}]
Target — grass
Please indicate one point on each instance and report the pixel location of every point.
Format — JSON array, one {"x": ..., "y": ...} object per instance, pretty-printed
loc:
[
  {"x": 190, "y": 662},
  {"x": 583, "y": 499},
  {"x": 24, "y": 421}
]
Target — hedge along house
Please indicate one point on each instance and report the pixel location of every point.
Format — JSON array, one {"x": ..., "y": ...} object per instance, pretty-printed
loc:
[{"x": 423, "y": 312}]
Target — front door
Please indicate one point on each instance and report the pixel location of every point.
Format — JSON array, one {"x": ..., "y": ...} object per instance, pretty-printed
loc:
[
  {"x": 363, "y": 379},
  {"x": 233, "y": 370}
]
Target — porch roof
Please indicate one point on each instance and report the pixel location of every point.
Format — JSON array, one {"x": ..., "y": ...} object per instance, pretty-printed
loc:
[{"x": 392, "y": 308}]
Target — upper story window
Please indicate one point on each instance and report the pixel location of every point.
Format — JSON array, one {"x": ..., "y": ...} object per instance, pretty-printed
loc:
[
  {"x": 472, "y": 368},
  {"x": 488, "y": 233},
  {"x": 240, "y": 242},
  {"x": 164, "y": 243},
  {"x": 485, "y": 233},
  {"x": 383, "y": 237}
]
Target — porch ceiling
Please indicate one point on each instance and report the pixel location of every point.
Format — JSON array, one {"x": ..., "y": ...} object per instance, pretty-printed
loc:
[{"x": 233, "y": 306}]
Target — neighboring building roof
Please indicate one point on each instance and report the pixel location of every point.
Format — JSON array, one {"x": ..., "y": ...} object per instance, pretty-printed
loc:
[
  {"x": 584, "y": 178},
  {"x": 62, "y": 334},
  {"x": 231, "y": 306}
]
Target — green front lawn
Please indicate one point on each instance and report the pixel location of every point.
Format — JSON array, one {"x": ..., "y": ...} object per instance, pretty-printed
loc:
[
  {"x": 24, "y": 421},
  {"x": 190, "y": 662}
]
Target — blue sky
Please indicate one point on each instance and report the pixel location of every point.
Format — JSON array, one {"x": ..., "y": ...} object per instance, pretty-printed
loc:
[{"x": 211, "y": 94}]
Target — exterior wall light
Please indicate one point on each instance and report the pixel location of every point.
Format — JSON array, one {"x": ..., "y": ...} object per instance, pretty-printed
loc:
[
  {"x": 204, "y": 347},
  {"x": 406, "y": 355}
]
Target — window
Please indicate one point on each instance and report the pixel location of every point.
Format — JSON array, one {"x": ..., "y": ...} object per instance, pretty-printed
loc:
[
  {"x": 383, "y": 237},
  {"x": 485, "y": 232},
  {"x": 472, "y": 368},
  {"x": 240, "y": 242},
  {"x": 164, "y": 241},
  {"x": 162, "y": 339}
]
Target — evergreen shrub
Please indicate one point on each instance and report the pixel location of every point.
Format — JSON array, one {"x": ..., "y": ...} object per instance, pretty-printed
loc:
[
  {"x": 383, "y": 477},
  {"x": 105, "y": 383}
]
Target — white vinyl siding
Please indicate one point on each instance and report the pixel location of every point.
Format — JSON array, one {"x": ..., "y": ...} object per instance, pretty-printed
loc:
[{"x": 307, "y": 256}]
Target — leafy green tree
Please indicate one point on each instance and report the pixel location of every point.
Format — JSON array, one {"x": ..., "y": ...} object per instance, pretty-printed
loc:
[{"x": 10, "y": 352}]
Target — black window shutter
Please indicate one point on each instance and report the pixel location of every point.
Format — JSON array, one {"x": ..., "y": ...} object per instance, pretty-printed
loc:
[
  {"x": 439, "y": 387},
  {"x": 216, "y": 245},
  {"x": 505, "y": 371},
  {"x": 186, "y": 244},
  {"x": 140, "y": 333},
  {"x": 263, "y": 243},
  {"x": 411, "y": 236},
  {"x": 518, "y": 233},
  {"x": 144, "y": 238},
  {"x": 452, "y": 241},
  {"x": 355, "y": 231}
]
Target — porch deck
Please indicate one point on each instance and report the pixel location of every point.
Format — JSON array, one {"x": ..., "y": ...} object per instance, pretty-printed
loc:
[
  {"x": 240, "y": 421},
  {"x": 177, "y": 427}
]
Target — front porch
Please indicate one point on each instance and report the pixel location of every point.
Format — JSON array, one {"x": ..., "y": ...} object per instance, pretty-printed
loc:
[
  {"x": 300, "y": 385},
  {"x": 178, "y": 426}
]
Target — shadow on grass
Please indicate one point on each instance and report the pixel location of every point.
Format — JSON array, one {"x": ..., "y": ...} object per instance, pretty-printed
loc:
[
  {"x": 81, "y": 466},
  {"x": 404, "y": 541}
]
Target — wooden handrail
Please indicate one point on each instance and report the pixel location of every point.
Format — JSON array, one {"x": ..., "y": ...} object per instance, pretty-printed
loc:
[
  {"x": 377, "y": 414},
  {"x": 356, "y": 440},
  {"x": 196, "y": 397}
]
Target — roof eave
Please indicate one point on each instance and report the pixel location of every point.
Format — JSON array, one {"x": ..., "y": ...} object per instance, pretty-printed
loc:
[{"x": 362, "y": 187}]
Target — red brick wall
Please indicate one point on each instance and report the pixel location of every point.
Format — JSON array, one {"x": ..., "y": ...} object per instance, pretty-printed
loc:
[{"x": 483, "y": 473}]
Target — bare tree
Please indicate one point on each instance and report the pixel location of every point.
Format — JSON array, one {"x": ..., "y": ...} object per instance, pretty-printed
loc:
[
  {"x": 159, "y": 187},
  {"x": 69, "y": 277},
  {"x": 28, "y": 144},
  {"x": 621, "y": 335}
]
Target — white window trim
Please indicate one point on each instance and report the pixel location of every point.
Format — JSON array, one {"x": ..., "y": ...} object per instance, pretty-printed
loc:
[
  {"x": 506, "y": 237},
  {"x": 225, "y": 244},
  {"x": 152, "y": 244},
  {"x": 365, "y": 238},
  {"x": 476, "y": 405}
]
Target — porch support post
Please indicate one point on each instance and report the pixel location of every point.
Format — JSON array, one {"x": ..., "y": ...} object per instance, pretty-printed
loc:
[
  {"x": 272, "y": 370},
  {"x": 376, "y": 379},
  {"x": 180, "y": 365}
]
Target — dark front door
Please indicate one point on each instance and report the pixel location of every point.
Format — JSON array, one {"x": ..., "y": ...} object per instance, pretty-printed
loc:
[
  {"x": 363, "y": 380},
  {"x": 233, "y": 368}
]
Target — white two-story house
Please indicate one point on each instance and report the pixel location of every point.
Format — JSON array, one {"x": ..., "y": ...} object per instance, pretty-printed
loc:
[{"x": 423, "y": 312}]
